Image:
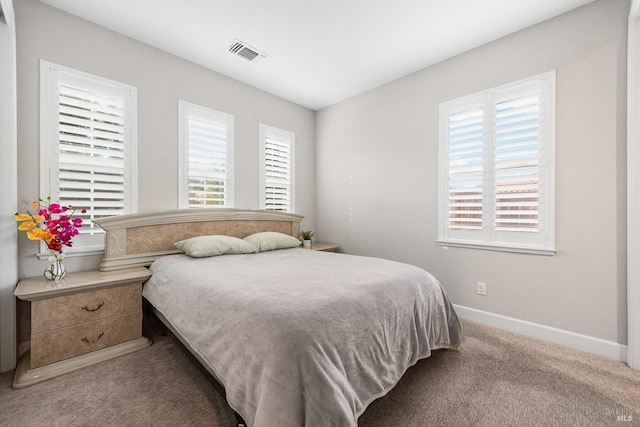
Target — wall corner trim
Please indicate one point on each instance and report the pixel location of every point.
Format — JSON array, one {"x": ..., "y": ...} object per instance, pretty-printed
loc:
[{"x": 609, "y": 349}]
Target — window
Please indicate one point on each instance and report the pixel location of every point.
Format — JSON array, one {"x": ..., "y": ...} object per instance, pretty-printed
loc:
[
  {"x": 497, "y": 168},
  {"x": 277, "y": 177},
  {"x": 206, "y": 157},
  {"x": 88, "y": 147}
]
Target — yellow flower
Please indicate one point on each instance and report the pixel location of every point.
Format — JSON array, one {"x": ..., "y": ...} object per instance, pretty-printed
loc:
[
  {"x": 22, "y": 216},
  {"x": 32, "y": 235},
  {"x": 39, "y": 234},
  {"x": 27, "y": 225},
  {"x": 34, "y": 205}
]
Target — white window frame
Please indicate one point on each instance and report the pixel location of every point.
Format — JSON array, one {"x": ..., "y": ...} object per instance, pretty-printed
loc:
[
  {"x": 541, "y": 242},
  {"x": 49, "y": 143},
  {"x": 185, "y": 109},
  {"x": 266, "y": 131}
]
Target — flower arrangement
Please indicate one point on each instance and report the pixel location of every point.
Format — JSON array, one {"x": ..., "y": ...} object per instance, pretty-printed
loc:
[{"x": 56, "y": 225}]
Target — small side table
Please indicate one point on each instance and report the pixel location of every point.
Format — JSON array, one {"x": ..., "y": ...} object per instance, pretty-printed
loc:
[
  {"x": 86, "y": 318},
  {"x": 325, "y": 247}
]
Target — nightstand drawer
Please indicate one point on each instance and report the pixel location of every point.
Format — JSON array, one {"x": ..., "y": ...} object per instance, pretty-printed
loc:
[
  {"x": 59, "y": 312},
  {"x": 53, "y": 346}
]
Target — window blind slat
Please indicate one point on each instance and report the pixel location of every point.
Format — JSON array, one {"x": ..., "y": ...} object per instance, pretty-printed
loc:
[
  {"x": 111, "y": 117},
  {"x": 84, "y": 122},
  {"x": 91, "y": 89},
  {"x": 84, "y": 176},
  {"x": 91, "y": 111},
  {"x": 78, "y": 140},
  {"x": 88, "y": 132},
  {"x": 84, "y": 151}
]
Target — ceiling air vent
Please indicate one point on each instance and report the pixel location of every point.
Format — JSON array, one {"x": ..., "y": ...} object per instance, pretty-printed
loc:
[{"x": 245, "y": 51}]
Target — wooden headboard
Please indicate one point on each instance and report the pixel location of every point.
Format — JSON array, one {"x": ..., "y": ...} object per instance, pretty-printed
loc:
[{"x": 139, "y": 239}]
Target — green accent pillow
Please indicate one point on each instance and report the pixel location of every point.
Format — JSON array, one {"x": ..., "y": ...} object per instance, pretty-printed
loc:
[
  {"x": 270, "y": 240},
  {"x": 207, "y": 246}
]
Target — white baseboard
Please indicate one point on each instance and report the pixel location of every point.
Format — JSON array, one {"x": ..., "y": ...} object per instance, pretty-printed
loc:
[{"x": 610, "y": 349}]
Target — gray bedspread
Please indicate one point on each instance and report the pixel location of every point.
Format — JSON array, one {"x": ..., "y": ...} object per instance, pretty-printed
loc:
[{"x": 300, "y": 337}]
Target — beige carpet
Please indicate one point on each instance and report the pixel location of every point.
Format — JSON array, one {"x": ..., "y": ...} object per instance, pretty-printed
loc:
[{"x": 496, "y": 379}]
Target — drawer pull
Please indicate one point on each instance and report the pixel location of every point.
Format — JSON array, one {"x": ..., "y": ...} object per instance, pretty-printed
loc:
[
  {"x": 86, "y": 308},
  {"x": 88, "y": 341}
]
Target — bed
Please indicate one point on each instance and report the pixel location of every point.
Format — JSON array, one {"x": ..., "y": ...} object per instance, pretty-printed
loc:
[{"x": 296, "y": 337}]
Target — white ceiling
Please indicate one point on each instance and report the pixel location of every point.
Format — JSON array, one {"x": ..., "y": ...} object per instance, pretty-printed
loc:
[{"x": 320, "y": 51}]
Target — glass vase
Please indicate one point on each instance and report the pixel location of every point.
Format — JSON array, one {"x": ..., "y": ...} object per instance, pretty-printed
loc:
[{"x": 56, "y": 269}]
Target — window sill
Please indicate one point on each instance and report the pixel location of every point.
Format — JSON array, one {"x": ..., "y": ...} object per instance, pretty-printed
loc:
[
  {"x": 70, "y": 253},
  {"x": 497, "y": 247}
]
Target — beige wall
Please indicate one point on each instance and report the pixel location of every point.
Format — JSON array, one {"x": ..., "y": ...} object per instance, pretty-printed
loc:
[
  {"x": 161, "y": 79},
  {"x": 8, "y": 154},
  {"x": 377, "y": 163}
]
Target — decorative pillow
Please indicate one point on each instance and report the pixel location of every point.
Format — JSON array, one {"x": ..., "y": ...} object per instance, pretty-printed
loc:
[
  {"x": 207, "y": 246},
  {"x": 270, "y": 240}
]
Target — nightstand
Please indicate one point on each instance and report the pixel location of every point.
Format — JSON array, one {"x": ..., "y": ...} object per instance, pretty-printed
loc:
[
  {"x": 86, "y": 318},
  {"x": 325, "y": 247}
]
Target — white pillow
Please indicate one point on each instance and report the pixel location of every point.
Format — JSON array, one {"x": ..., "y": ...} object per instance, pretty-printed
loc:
[
  {"x": 271, "y": 240},
  {"x": 207, "y": 246}
]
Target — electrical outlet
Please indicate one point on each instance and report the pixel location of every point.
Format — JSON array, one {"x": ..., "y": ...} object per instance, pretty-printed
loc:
[{"x": 481, "y": 288}]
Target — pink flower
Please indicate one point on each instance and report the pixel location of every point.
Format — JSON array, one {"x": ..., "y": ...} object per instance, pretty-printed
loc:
[{"x": 55, "y": 223}]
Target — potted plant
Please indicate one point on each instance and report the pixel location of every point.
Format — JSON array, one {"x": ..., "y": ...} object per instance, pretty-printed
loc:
[{"x": 306, "y": 237}]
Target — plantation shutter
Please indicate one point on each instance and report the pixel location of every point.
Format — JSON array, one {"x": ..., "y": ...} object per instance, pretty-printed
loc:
[
  {"x": 517, "y": 159},
  {"x": 277, "y": 177},
  {"x": 87, "y": 148},
  {"x": 91, "y": 149},
  {"x": 465, "y": 176},
  {"x": 209, "y": 177},
  {"x": 497, "y": 168}
]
